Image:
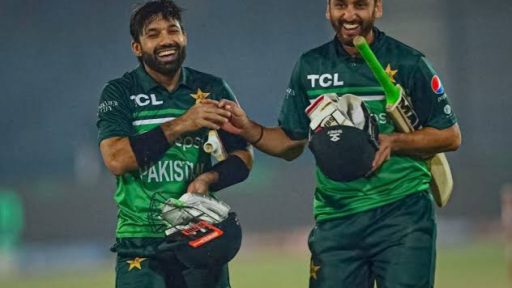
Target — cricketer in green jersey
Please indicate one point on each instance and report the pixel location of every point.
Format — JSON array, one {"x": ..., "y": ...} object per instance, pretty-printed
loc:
[
  {"x": 153, "y": 122},
  {"x": 379, "y": 229}
]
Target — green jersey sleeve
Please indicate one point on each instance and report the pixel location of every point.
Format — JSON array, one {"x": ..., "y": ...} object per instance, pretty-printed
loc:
[
  {"x": 292, "y": 118},
  {"x": 114, "y": 116},
  {"x": 231, "y": 142},
  {"x": 429, "y": 98}
]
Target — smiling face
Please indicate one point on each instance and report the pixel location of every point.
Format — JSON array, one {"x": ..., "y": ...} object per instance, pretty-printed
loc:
[
  {"x": 351, "y": 18},
  {"x": 161, "y": 46}
]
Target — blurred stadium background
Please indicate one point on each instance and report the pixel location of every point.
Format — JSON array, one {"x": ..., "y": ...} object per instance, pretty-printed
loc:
[{"x": 57, "y": 216}]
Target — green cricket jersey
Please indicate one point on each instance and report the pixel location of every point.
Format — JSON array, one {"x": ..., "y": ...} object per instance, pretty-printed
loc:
[
  {"x": 134, "y": 104},
  {"x": 330, "y": 69}
]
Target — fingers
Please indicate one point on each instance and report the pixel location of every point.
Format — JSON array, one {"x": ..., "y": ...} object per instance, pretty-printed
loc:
[
  {"x": 209, "y": 101},
  {"x": 231, "y": 128},
  {"x": 212, "y": 109},
  {"x": 206, "y": 115},
  {"x": 231, "y": 107},
  {"x": 225, "y": 102},
  {"x": 198, "y": 186},
  {"x": 382, "y": 155},
  {"x": 213, "y": 114},
  {"x": 212, "y": 121}
]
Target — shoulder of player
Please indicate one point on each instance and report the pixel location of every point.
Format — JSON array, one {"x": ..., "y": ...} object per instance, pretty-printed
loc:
[
  {"x": 322, "y": 51},
  {"x": 205, "y": 81},
  {"x": 123, "y": 83},
  {"x": 406, "y": 52},
  {"x": 201, "y": 77}
]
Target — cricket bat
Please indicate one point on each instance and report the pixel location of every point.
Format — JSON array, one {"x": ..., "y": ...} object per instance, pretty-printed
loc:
[
  {"x": 401, "y": 112},
  {"x": 214, "y": 146}
]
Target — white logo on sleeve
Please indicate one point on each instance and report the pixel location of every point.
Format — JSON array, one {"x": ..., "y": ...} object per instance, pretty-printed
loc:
[
  {"x": 143, "y": 100},
  {"x": 447, "y": 109}
]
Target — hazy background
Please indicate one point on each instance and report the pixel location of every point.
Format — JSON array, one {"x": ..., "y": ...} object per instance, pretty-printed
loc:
[{"x": 57, "y": 55}]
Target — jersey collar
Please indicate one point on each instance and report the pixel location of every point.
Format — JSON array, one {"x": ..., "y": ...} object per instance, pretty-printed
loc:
[
  {"x": 148, "y": 83},
  {"x": 376, "y": 44}
]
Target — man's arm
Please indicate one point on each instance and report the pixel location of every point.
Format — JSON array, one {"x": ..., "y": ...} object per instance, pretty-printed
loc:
[
  {"x": 273, "y": 141},
  {"x": 120, "y": 157},
  {"x": 423, "y": 143},
  {"x": 203, "y": 182}
]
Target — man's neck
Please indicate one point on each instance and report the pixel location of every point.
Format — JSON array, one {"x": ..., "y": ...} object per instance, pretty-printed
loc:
[
  {"x": 168, "y": 81},
  {"x": 352, "y": 51}
]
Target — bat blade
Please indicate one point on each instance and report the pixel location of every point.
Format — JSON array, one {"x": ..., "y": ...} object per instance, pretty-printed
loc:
[
  {"x": 442, "y": 187},
  {"x": 402, "y": 114}
]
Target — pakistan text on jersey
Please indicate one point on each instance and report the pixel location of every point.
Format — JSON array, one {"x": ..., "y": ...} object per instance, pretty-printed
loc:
[{"x": 172, "y": 171}]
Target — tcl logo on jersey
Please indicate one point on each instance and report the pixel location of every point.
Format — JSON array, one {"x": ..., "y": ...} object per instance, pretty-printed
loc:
[
  {"x": 325, "y": 80},
  {"x": 143, "y": 100}
]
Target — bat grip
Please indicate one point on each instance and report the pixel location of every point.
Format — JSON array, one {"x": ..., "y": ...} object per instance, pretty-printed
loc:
[
  {"x": 214, "y": 146},
  {"x": 391, "y": 91}
]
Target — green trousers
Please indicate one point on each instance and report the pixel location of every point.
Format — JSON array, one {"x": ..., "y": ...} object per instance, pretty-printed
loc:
[
  {"x": 392, "y": 246},
  {"x": 151, "y": 263}
]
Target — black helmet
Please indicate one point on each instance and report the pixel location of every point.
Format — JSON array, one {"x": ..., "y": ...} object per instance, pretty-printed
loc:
[
  {"x": 202, "y": 245},
  {"x": 345, "y": 153}
]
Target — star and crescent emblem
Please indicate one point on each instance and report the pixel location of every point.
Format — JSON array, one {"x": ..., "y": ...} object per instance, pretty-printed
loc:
[
  {"x": 391, "y": 73},
  {"x": 313, "y": 270},
  {"x": 199, "y": 95},
  {"x": 135, "y": 263}
]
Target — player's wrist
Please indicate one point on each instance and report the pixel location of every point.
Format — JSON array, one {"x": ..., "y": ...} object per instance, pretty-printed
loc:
[
  {"x": 253, "y": 132},
  {"x": 229, "y": 172},
  {"x": 209, "y": 177},
  {"x": 173, "y": 129}
]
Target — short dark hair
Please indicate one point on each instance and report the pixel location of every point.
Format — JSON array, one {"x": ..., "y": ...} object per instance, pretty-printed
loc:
[{"x": 151, "y": 10}]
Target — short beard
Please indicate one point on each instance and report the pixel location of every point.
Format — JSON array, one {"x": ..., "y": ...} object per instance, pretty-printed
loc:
[
  {"x": 164, "y": 68},
  {"x": 366, "y": 29}
]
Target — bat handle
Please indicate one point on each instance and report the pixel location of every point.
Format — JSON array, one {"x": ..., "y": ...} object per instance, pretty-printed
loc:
[{"x": 214, "y": 146}]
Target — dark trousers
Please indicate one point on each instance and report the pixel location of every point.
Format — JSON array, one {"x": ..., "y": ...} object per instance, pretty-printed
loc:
[{"x": 392, "y": 246}]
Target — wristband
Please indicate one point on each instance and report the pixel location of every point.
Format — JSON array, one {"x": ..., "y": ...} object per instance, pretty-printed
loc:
[
  {"x": 259, "y": 137},
  {"x": 231, "y": 171},
  {"x": 149, "y": 147}
]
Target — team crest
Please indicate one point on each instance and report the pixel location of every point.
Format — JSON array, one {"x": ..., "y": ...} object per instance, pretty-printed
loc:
[
  {"x": 313, "y": 270},
  {"x": 436, "y": 85},
  {"x": 200, "y": 95},
  {"x": 135, "y": 263},
  {"x": 391, "y": 73}
]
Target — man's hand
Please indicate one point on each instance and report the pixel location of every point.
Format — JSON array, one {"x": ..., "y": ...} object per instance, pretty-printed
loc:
[
  {"x": 202, "y": 183},
  {"x": 206, "y": 114},
  {"x": 384, "y": 152},
  {"x": 238, "y": 121}
]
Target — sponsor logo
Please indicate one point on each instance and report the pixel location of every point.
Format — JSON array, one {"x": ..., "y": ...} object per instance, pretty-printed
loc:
[
  {"x": 289, "y": 92},
  {"x": 144, "y": 100},
  {"x": 106, "y": 106},
  {"x": 189, "y": 142},
  {"x": 447, "y": 109},
  {"x": 334, "y": 135},
  {"x": 441, "y": 98},
  {"x": 325, "y": 80},
  {"x": 436, "y": 85},
  {"x": 382, "y": 118}
]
